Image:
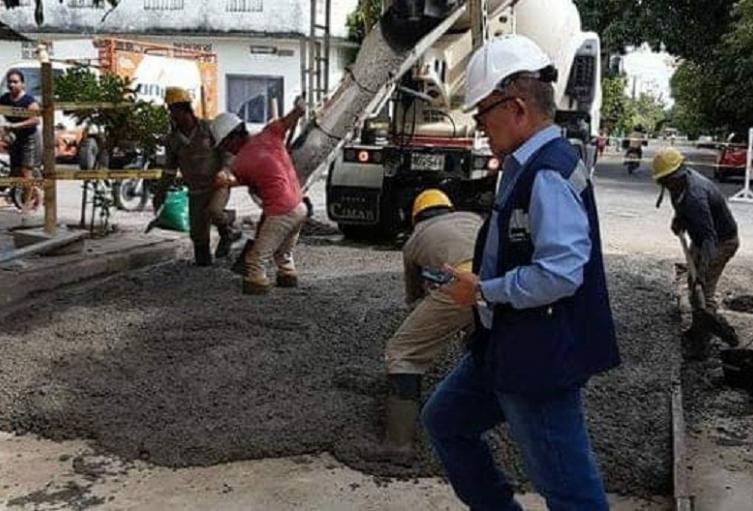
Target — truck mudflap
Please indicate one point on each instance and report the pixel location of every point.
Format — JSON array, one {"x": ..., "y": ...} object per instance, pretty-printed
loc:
[{"x": 350, "y": 205}]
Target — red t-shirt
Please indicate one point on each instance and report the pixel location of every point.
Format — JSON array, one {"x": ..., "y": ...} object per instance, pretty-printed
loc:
[{"x": 263, "y": 163}]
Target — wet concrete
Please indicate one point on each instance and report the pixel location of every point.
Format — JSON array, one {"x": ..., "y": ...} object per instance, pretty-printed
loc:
[{"x": 173, "y": 365}]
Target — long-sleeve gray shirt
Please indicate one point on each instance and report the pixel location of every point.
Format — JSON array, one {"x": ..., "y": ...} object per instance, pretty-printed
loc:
[{"x": 702, "y": 210}]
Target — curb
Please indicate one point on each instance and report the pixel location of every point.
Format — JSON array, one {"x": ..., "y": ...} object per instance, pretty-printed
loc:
[{"x": 18, "y": 286}]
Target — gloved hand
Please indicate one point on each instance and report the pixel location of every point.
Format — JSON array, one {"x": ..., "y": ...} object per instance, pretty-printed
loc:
[
  {"x": 300, "y": 103},
  {"x": 678, "y": 226}
]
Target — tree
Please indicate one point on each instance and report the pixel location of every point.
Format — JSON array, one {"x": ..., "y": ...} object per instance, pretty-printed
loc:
[
  {"x": 136, "y": 122},
  {"x": 686, "y": 28}
]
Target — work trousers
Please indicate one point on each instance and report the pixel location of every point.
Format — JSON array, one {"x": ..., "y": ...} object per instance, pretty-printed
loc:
[
  {"x": 550, "y": 432},
  {"x": 207, "y": 207},
  {"x": 275, "y": 239},
  {"x": 724, "y": 252},
  {"x": 421, "y": 337}
]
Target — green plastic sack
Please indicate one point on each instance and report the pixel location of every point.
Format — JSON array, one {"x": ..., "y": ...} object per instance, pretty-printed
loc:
[{"x": 174, "y": 214}]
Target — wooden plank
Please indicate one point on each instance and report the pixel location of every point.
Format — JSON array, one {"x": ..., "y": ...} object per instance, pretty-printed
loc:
[
  {"x": 72, "y": 106},
  {"x": 683, "y": 499},
  {"x": 13, "y": 111},
  {"x": 48, "y": 150},
  {"x": 57, "y": 241},
  {"x": 82, "y": 175}
]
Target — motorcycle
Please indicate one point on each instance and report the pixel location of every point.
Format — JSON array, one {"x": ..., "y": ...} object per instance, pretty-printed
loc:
[{"x": 632, "y": 159}]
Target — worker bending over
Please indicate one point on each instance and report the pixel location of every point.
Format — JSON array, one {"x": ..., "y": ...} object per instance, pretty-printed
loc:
[
  {"x": 702, "y": 211},
  {"x": 263, "y": 163},
  {"x": 440, "y": 236},
  {"x": 190, "y": 148}
]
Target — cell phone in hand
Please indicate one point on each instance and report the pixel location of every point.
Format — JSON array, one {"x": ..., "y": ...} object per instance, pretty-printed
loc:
[{"x": 437, "y": 277}]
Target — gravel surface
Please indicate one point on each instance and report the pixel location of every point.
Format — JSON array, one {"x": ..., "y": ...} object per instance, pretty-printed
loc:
[{"x": 175, "y": 366}]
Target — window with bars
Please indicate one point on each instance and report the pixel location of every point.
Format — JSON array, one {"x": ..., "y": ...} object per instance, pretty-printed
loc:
[
  {"x": 85, "y": 4},
  {"x": 244, "y": 5},
  {"x": 163, "y": 5}
]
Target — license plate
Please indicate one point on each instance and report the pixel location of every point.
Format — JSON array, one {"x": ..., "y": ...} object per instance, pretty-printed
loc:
[{"x": 421, "y": 161}]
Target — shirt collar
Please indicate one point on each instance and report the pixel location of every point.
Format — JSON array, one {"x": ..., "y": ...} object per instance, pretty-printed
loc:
[{"x": 523, "y": 153}]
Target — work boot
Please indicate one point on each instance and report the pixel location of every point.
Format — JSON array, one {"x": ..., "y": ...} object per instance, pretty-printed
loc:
[
  {"x": 228, "y": 236},
  {"x": 255, "y": 288},
  {"x": 287, "y": 280},
  {"x": 202, "y": 254},
  {"x": 400, "y": 431}
]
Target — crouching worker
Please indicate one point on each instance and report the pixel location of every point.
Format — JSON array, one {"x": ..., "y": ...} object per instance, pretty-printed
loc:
[
  {"x": 440, "y": 236},
  {"x": 701, "y": 210},
  {"x": 190, "y": 148},
  {"x": 263, "y": 164}
]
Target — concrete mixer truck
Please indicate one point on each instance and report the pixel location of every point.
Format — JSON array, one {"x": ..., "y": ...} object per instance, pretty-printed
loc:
[{"x": 416, "y": 136}]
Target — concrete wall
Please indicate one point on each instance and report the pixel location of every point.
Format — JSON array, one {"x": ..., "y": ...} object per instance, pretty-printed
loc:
[{"x": 262, "y": 17}]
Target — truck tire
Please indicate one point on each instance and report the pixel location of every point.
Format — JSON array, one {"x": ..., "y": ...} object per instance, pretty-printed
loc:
[{"x": 88, "y": 151}]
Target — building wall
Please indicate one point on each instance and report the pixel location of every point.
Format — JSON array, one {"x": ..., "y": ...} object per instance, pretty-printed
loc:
[
  {"x": 262, "y": 17},
  {"x": 237, "y": 57}
]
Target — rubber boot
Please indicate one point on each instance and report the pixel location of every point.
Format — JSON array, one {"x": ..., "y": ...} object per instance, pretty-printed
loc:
[
  {"x": 399, "y": 432},
  {"x": 228, "y": 235},
  {"x": 202, "y": 254},
  {"x": 287, "y": 280}
]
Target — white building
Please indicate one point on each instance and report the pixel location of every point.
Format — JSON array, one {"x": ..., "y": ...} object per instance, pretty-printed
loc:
[{"x": 260, "y": 44}]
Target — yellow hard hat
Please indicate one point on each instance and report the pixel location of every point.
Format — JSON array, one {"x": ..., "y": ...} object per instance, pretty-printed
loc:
[
  {"x": 431, "y": 198},
  {"x": 666, "y": 162},
  {"x": 176, "y": 95}
]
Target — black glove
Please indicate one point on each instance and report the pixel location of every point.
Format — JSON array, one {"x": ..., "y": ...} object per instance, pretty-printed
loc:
[{"x": 678, "y": 225}]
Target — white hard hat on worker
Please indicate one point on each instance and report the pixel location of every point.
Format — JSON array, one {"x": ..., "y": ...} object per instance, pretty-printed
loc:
[
  {"x": 223, "y": 125},
  {"x": 500, "y": 59}
]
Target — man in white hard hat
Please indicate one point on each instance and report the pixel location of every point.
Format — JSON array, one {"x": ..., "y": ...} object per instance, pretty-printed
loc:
[
  {"x": 544, "y": 324},
  {"x": 263, "y": 163}
]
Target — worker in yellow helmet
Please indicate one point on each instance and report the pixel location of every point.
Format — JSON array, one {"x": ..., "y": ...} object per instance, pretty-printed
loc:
[
  {"x": 440, "y": 236},
  {"x": 702, "y": 211},
  {"x": 191, "y": 148}
]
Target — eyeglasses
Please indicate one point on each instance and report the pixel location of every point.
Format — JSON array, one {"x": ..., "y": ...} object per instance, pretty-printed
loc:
[{"x": 483, "y": 111}]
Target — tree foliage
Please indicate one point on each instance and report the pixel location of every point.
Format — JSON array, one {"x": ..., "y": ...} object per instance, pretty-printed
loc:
[
  {"x": 685, "y": 28},
  {"x": 136, "y": 122},
  {"x": 361, "y": 20},
  {"x": 621, "y": 113},
  {"x": 716, "y": 92}
]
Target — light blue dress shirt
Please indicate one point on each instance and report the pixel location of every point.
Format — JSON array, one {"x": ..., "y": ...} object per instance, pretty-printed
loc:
[{"x": 558, "y": 224}]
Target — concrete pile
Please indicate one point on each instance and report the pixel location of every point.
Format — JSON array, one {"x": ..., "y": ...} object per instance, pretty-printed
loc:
[{"x": 175, "y": 366}]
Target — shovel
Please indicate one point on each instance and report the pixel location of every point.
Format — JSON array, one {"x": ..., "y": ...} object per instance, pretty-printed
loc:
[
  {"x": 154, "y": 221},
  {"x": 708, "y": 321}
]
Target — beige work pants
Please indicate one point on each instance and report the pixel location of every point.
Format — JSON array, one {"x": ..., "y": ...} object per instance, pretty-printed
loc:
[
  {"x": 275, "y": 240},
  {"x": 206, "y": 208},
  {"x": 724, "y": 253},
  {"x": 423, "y": 334}
]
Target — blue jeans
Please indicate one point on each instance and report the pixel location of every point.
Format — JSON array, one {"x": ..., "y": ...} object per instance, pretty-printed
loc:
[{"x": 550, "y": 433}]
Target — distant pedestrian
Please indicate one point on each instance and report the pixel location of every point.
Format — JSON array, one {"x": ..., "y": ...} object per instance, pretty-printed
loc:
[
  {"x": 21, "y": 136},
  {"x": 700, "y": 210},
  {"x": 539, "y": 287},
  {"x": 262, "y": 163},
  {"x": 440, "y": 236}
]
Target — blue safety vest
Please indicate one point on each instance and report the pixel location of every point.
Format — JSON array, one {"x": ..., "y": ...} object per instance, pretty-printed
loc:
[{"x": 559, "y": 345}]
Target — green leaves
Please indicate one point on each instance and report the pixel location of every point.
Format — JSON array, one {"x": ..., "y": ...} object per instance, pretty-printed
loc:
[{"x": 137, "y": 122}]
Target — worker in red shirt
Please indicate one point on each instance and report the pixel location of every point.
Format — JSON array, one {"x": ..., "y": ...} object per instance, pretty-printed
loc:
[{"x": 263, "y": 163}]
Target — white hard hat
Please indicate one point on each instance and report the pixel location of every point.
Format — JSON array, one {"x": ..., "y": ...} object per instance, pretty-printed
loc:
[
  {"x": 223, "y": 125},
  {"x": 498, "y": 59}
]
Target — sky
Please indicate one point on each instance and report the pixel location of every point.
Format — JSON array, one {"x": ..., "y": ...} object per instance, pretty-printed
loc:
[{"x": 649, "y": 72}]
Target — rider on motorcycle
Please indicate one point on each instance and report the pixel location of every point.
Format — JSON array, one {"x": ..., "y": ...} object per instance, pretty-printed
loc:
[{"x": 634, "y": 153}]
